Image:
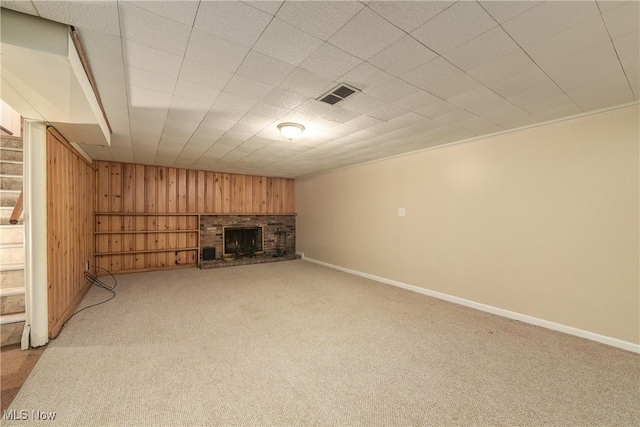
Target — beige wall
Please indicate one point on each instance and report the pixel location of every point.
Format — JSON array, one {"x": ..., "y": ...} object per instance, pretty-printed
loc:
[{"x": 542, "y": 222}]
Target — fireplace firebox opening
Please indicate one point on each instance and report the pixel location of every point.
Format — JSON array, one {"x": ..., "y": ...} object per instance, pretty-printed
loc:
[{"x": 242, "y": 241}]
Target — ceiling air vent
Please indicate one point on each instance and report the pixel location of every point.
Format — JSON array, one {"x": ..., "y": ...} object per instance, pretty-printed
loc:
[{"x": 337, "y": 94}]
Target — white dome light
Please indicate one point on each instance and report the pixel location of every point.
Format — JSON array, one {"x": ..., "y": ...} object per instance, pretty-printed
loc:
[{"x": 290, "y": 130}]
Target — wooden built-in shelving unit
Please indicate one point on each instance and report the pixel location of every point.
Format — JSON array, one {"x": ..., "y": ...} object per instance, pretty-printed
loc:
[{"x": 133, "y": 241}]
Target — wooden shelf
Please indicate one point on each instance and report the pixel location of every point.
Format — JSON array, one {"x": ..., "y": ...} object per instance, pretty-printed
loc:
[
  {"x": 146, "y": 251},
  {"x": 140, "y": 270},
  {"x": 193, "y": 214},
  {"x": 146, "y": 232},
  {"x": 146, "y": 214}
]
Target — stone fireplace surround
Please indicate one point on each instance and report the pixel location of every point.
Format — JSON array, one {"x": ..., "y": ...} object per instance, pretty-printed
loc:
[{"x": 212, "y": 228}]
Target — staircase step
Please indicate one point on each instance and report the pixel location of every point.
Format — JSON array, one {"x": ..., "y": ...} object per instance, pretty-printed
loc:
[
  {"x": 11, "y": 168},
  {"x": 5, "y": 214},
  {"x": 11, "y": 142},
  {"x": 11, "y": 234},
  {"x": 12, "y": 276},
  {"x": 11, "y": 333},
  {"x": 10, "y": 182},
  {"x": 12, "y": 318},
  {"x": 9, "y": 197},
  {"x": 11, "y": 254},
  {"x": 13, "y": 154},
  {"x": 11, "y": 301}
]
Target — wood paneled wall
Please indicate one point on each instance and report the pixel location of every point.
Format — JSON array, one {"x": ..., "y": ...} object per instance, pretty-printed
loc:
[
  {"x": 147, "y": 217},
  {"x": 125, "y": 187},
  {"x": 70, "y": 225}
]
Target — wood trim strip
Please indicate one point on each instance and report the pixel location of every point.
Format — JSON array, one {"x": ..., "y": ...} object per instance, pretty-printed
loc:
[
  {"x": 87, "y": 69},
  {"x": 61, "y": 139}
]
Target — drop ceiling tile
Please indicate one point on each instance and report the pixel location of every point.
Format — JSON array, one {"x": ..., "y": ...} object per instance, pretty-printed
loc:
[
  {"x": 437, "y": 108},
  {"x": 628, "y": 48},
  {"x": 602, "y": 94},
  {"x": 196, "y": 92},
  {"x": 263, "y": 68},
  {"x": 390, "y": 90},
  {"x": 624, "y": 19},
  {"x": 284, "y": 98},
  {"x": 187, "y": 110},
  {"x": 320, "y": 19},
  {"x": 363, "y": 122},
  {"x": 178, "y": 130},
  {"x": 455, "y": 86},
  {"x": 364, "y": 75},
  {"x": 416, "y": 100},
  {"x": 453, "y": 117},
  {"x": 387, "y": 112},
  {"x": 306, "y": 83},
  {"x": 183, "y": 11},
  {"x": 565, "y": 110},
  {"x": 215, "y": 51},
  {"x": 269, "y": 111},
  {"x": 101, "y": 45},
  {"x": 503, "y": 11},
  {"x": 585, "y": 67},
  {"x": 257, "y": 122},
  {"x": 407, "y": 120},
  {"x": 362, "y": 103},
  {"x": 547, "y": 19},
  {"x": 402, "y": 56},
  {"x": 268, "y": 6},
  {"x": 509, "y": 119},
  {"x": 519, "y": 83},
  {"x": 212, "y": 133},
  {"x": 150, "y": 29},
  {"x": 504, "y": 68},
  {"x": 94, "y": 15},
  {"x": 235, "y": 102},
  {"x": 233, "y": 21},
  {"x": 458, "y": 24},
  {"x": 286, "y": 43},
  {"x": 481, "y": 101},
  {"x": 366, "y": 34},
  {"x": 432, "y": 73},
  {"x": 204, "y": 75},
  {"x": 330, "y": 62},
  {"x": 409, "y": 15},
  {"x": 576, "y": 39},
  {"x": 248, "y": 88},
  {"x": 482, "y": 50},
  {"x": 148, "y": 80},
  {"x": 317, "y": 109},
  {"x": 217, "y": 122},
  {"x": 154, "y": 60},
  {"x": 148, "y": 99},
  {"x": 535, "y": 104}
]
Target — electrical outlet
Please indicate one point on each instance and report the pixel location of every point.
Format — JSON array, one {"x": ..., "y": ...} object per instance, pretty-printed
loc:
[{"x": 401, "y": 212}]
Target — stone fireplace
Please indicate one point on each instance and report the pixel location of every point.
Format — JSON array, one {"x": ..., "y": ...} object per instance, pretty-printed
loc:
[{"x": 247, "y": 239}]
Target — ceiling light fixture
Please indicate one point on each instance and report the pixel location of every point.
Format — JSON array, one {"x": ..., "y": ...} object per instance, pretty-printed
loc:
[{"x": 290, "y": 130}]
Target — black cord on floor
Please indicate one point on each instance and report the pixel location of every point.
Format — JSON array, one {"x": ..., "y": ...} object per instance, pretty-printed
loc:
[{"x": 99, "y": 283}]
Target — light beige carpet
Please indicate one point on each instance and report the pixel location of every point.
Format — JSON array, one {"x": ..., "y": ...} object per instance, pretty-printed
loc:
[{"x": 295, "y": 343}]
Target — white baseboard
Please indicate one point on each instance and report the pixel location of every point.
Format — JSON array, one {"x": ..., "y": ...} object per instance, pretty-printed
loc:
[{"x": 614, "y": 342}]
